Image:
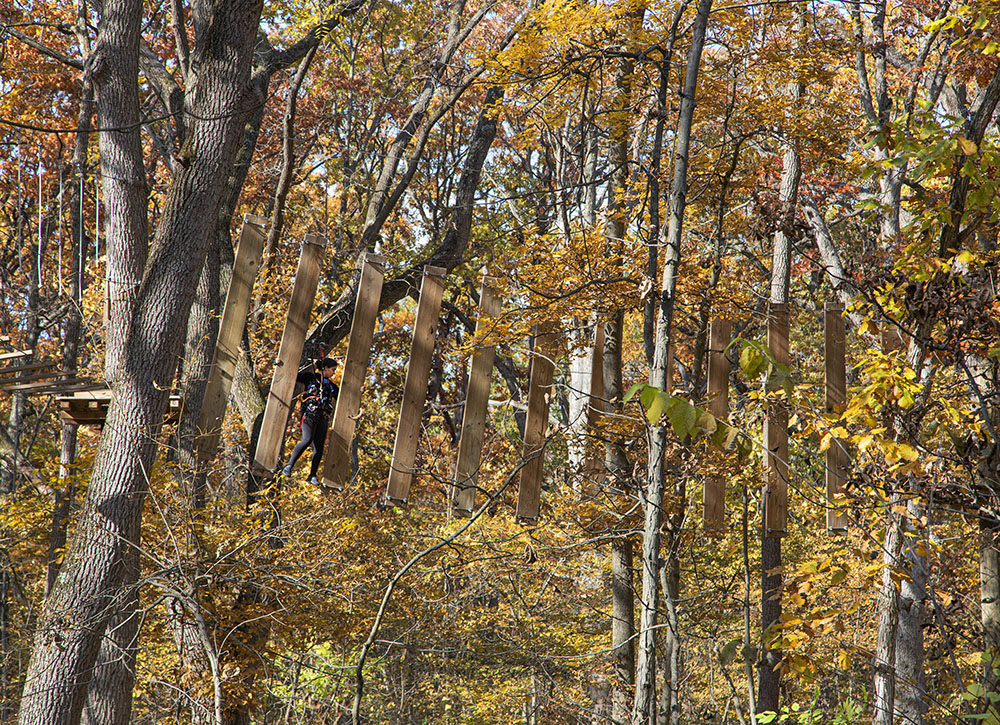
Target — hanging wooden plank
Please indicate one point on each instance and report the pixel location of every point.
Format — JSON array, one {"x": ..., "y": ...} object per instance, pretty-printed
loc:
[
  {"x": 477, "y": 398},
  {"x": 593, "y": 462},
  {"x": 234, "y": 317},
  {"x": 16, "y": 369},
  {"x": 17, "y": 354},
  {"x": 836, "y": 397},
  {"x": 48, "y": 385},
  {"x": 776, "y": 432},
  {"x": 337, "y": 466},
  {"x": 286, "y": 367},
  {"x": 16, "y": 382},
  {"x": 411, "y": 411},
  {"x": 719, "y": 336},
  {"x": 539, "y": 397}
]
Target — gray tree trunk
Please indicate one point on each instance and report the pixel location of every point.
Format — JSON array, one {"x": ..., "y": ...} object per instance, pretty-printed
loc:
[
  {"x": 989, "y": 593},
  {"x": 643, "y": 703},
  {"x": 98, "y": 575},
  {"x": 114, "y": 71},
  {"x": 769, "y": 675},
  {"x": 622, "y": 628}
]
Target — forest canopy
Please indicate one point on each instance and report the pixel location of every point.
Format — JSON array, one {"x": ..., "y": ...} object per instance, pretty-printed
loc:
[{"x": 668, "y": 362}]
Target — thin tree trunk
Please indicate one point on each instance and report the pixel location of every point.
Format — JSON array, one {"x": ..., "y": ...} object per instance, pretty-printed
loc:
[
  {"x": 622, "y": 628},
  {"x": 911, "y": 692},
  {"x": 884, "y": 699},
  {"x": 989, "y": 593},
  {"x": 769, "y": 676},
  {"x": 616, "y": 463},
  {"x": 655, "y": 470},
  {"x": 284, "y": 184}
]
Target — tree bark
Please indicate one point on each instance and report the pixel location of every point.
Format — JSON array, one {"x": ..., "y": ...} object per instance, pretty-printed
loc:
[
  {"x": 884, "y": 697},
  {"x": 655, "y": 471},
  {"x": 98, "y": 575},
  {"x": 114, "y": 70},
  {"x": 989, "y": 593},
  {"x": 769, "y": 675},
  {"x": 622, "y": 628}
]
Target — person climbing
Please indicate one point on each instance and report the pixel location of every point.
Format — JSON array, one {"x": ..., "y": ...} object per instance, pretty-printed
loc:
[{"x": 316, "y": 406}]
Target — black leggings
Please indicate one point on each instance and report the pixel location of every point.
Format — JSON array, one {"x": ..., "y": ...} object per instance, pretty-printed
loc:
[{"x": 313, "y": 434}]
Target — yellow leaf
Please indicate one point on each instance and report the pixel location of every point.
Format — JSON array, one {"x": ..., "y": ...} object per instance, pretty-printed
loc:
[
  {"x": 843, "y": 660},
  {"x": 968, "y": 147}
]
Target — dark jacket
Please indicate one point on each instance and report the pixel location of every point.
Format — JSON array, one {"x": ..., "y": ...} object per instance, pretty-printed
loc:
[{"x": 318, "y": 397}]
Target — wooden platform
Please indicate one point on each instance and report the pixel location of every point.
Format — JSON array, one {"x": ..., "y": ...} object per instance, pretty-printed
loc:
[{"x": 90, "y": 407}]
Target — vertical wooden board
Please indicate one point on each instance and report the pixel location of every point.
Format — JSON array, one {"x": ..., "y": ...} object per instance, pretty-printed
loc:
[
  {"x": 719, "y": 336},
  {"x": 477, "y": 398},
  {"x": 286, "y": 367},
  {"x": 411, "y": 411},
  {"x": 593, "y": 464},
  {"x": 234, "y": 317},
  {"x": 720, "y": 333},
  {"x": 836, "y": 397},
  {"x": 337, "y": 466},
  {"x": 776, "y": 432},
  {"x": 539, "y": 396}
]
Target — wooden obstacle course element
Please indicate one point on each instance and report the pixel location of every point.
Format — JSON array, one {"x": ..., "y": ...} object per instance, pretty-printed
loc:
[
  {"x": 85, "y": 408},
  {"x": 337, "y": 463},
  {"x": 51, "y": 387},
  {"x": 477, "y": 398},
  {"x": 227, "y": 349},
  {"x": 15, "y": 355},
  {"x": 836, "y": 397},
  {"x": 719, "y": 336},
  {"x": 43, "y": 377},
  {"x": 279, "y": 398},
  {"x": 776, "y": 432},
  {"x": 26, "y": 377},
  {"x": 539, "y": 397},
  {"x": 411, "y": 411},
  {"x": 593, "y": 462},
  {"x": 90, "y": 407},
  {"x": 17, "y": 370}
]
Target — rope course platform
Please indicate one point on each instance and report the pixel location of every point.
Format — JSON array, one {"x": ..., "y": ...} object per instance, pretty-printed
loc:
[
  {"x": 90, "y": 407},
  {"x": 81, "y": 400}
]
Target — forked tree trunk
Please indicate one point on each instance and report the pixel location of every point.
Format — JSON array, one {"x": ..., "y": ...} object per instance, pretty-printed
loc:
[{"x": 99, "y": 573}]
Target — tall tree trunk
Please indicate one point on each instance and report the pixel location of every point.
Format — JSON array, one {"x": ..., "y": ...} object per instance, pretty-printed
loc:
[
  {"x": 769, "y": 675},
  {"x": 911, "y": 692},
  {"x": 98, "y": 574},
  {"x": 616, "y": 462},
  {"x": 32, "y": 331},
  {"x": 884, "y": 698},
  {"x": 115, "y": 75},
  {"x": 622, "y": 628},
  {"x": 989, "y": 593},
  {"x": 655, "y": 469}
]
